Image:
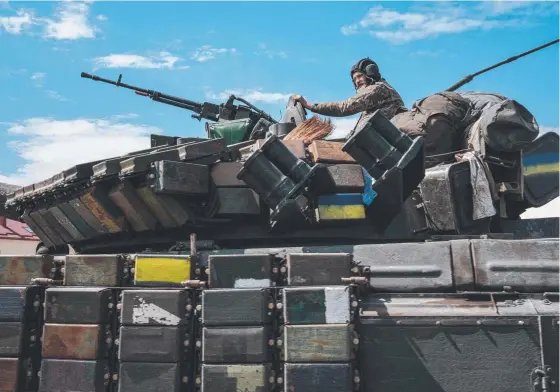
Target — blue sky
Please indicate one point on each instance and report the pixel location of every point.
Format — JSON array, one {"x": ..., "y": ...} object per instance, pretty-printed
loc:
[{"x": 51, "y": 119}]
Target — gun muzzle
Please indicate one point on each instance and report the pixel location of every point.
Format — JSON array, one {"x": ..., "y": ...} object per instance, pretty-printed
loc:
[{"x": 86, "y": 75}]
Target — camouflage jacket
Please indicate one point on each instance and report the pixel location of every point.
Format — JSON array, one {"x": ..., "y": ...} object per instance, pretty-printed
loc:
[{"x": 368, "y": 99}]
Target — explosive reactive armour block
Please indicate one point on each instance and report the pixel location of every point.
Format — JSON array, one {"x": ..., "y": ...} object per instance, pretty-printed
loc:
[
  {"x": 240, "y": 271},
  {"x": 317, "y": 269},
  {"x": 20, "y": 303},
  {"x": 340, "y": 207},
  {"x": 235, "y": 345},
  {"x": 155, "y": 270},
  {"x": 84, "y": 213},
  {"x": 224, "y": 174},
  {"x": 316, "y": 305},
  {"x": 150, "y": 377},
  {"x": 319, "y": 343},
  {"x": 66, "y": 223},
  {"x": 76, "y": 341},
  {"x": 63, "y": 375},
  {"x": 237, "y": 201},
  {"x": 323, "y": 151},
  {"x": 95, "y": 270},
  {"x": 237, "y": 307},
  {"x": 318, "y": 377},
  {"x": 137, "y": 214},
  {"x": 19, "y": 270},
  {"x": 80, "y": 305},
  {"x": 18, "y": 374},
  {"x": 246, "y": 378},
  {"x": 338, "y": 178},
  {"x": 156, "y": 307},
  {"x": 159, "y": 207},
  {"x": 14, "y": 339},
  {"x": 180, "y": 178},
  {"x": 153, "y": 344},
  {"x": 97, "y": 201},
  {"x": 85, "y": 229}
]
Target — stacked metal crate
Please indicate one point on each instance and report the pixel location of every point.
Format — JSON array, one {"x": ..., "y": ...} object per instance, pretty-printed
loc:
[
  {"x": 80, "y": 327},
  {"x": 319, "y": 338},
  {"x": 238, "y": 324}
]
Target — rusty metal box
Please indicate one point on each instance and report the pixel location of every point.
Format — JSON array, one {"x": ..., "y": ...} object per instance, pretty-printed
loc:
[
  {"x": 63, "y": 375},
  {"x": 323, "y": 151},
  {"x": 319, "y": 343},
  {"x": 236, "y": 345},
  {"x": 237, "y": 307},
  {"x": 318, "y": 377},
  {"x": 153, "y": 344},
  {"x": 80, "y": 305},
  {"x": 95, "y": 270},
  {"x": 317, "y": 269},
  {"x": 20, "y": 303},
  {"x": 246, "y": 378},
  {"x": 316, "y": 305},
  {"x": 240, "y": 271},
  {"x": 150, "y": 377},
  {"x": 19, "y": 270},
  {"x": 181, "y": 178},
  {"x": 18, "y": 374},
  {"x": 76, "y": 341},
  {"x": 156, "y": 307}
]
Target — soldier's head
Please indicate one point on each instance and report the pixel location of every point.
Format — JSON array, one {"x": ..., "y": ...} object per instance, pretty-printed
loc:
[{"x": 364, "y": 72}]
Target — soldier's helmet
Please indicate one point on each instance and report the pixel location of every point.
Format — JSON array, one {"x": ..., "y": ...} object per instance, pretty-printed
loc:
[{"x": 368, "y": 67}]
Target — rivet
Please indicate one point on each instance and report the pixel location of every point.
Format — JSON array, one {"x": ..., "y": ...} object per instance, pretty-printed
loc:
[
  {"x": 115, "y": 377},
  {"x": 186, "y": 343},
  {"x": 279, "y": 342},
  {"x": 188, "y": 307},
  {"x": 283, "y": 269},
  {"x": 197, "y": 380},
  {"x": 357, "y": 380},
  {"x": 110, "y": 305},
  {"x": 199, "y": 307},
  {"x": 271, "y": 380},
  {"x": 521, "y": 322},
  {"x": 198, "y": 344},
  {"x": 275, "y": 270},
  {"x": 354, "y": 304},
  {"x": 279, "y": 380},
  {"x": 270, "y": 305},
  {"x": 185, "y": 379},
  {"x": 356, "y": 341},
  {"x": 197, "y": 271},
  {"x": 279, "y": 305},
  {"x": 438, "y": 322},
  {"x": 106, "y": 376},
  {"x": 478, "y": 322}
]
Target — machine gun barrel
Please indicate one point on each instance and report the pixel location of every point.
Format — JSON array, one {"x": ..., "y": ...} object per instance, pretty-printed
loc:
[
  {"x": 155, "y": 95},
  {"x": 470, "y": 77}
]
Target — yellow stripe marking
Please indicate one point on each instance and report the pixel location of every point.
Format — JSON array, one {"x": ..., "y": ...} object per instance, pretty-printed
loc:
[{"x": 162, "y": 269}]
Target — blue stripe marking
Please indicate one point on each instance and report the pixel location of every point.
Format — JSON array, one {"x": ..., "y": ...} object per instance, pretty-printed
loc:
[
  {"x": 341, "y": 199},
  {"x": 540, "y": 159},
  {"x": 369, "y": 194}
]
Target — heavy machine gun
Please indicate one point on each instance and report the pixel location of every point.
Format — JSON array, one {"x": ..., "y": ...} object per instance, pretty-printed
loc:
[{"x": 233, "y": 122}]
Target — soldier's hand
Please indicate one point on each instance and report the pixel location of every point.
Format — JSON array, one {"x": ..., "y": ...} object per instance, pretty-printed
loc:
[{"x": 300, "y": 99}]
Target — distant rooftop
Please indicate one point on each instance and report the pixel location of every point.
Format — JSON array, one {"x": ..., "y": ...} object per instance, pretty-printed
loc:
[{"x": 14, "y": 230}]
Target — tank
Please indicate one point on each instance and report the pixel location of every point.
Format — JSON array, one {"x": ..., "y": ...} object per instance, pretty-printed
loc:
[{"x": 280, "y": 266}]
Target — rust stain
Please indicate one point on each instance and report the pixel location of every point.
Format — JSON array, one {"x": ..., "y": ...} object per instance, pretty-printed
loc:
[
  {"x": 100, "y": 213},
  {"x": 71, "y": 341},
  {"x": 8, "y": 374},
  {"x": 20, "y": 270}
]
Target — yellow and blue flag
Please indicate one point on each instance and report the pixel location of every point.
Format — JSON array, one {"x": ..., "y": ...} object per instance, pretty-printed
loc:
[
  {"x": 544, "y": 163},
  {"x": 341, "y": 206}
]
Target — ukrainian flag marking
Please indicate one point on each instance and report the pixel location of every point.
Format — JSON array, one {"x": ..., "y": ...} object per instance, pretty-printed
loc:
[
  {"x": 342, "y": 206},
  {"x": 540, "y": 164},
  {"x": 156, "y": 270}
]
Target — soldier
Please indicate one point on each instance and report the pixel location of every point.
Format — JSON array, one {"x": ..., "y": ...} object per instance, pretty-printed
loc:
[{"x": 373, "y": 92}]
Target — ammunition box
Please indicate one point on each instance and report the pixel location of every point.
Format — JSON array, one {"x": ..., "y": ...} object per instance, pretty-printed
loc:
[
  {"x": 235, "y": 345},
  {"x": 318, "y": 343},
  {"x": 94, "y": 270},
  {"x": 79, "y": 305},
  {"x": 87, "y": 216},
  {"x": 153, "y": 344},
  {"x": 343, "y": 178},
  {"x": 149, "y": 377},
  {"x": 317, "y": 305},
  {"x": 224, "y": 175},
  {"x": 18, "y": 374},
  {"x": 237, "y": 201},
  {"x": 237, "y": 307},
  {"x": 246, "y": 378},
  {"x": 323, "y": 151},
  {"x": 19, "y": 270},
  {"x": 63, "y": 375},
  {"x": 317, "y": 269},
  {"x": 157, "y": 206},
  {"x": 137, "y": 214},
  {"x": 97, "y": 201},
  {"x": 20, "y": 303},
  {"x": 13, "y": 339},
  {"x": 76, "y": 341},
  {"x": 181, "y": 178},
  {"x": 156, "y": 307},
  {"x": 154, "y": 270},
  {"x": 318, "y": 377},
  {"x": 240, "y": 271}
]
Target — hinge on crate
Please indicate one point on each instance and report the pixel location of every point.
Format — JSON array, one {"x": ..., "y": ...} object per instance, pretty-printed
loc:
[{"x": 540, "y": 379}]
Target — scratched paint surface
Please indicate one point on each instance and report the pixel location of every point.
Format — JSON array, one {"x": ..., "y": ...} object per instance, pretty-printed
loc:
[{"x": 72, "y": 341}]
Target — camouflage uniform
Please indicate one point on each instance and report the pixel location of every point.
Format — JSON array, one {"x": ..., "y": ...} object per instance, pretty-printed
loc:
[{"x": 379, "y": 95}]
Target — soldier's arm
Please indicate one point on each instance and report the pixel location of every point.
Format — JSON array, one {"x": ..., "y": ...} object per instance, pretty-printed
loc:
[{"x": 367, "y": 99}]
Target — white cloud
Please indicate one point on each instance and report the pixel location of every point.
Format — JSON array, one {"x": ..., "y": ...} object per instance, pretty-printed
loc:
[
  {"x": 70, "y": 22},
  {"x": 16, "y": 24},
  {"x": 38, "y": 76},
  {"x": 102, "y": 18},
  {"x": 207, "y": 52},
  {"x": 163, "y": 60},
  {"x": 271, "y": 54},
  {"x": 442, "y": 18},
  {"x": 50, "y": 146},
  {"x": 55, "y": 95},
  {"x": 252, "y": 95}
]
